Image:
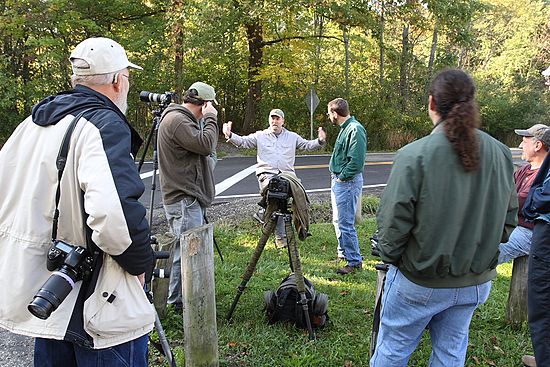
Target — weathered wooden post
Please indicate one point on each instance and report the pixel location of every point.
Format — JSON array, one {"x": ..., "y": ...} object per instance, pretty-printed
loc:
[
  {"x": 199, "y": 300},
  {"x": 516, "y": 311}
]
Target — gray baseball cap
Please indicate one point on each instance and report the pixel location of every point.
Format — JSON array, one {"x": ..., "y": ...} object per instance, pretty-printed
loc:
[
  {"x": 277, "y": 112},
  {"x": 539, "y": 131},
  {"x": 204, "y": 91}
]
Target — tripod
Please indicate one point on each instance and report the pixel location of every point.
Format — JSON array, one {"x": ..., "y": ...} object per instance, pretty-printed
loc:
[
  {"x": 381, "y": 271},
  {"x": 277, "y": 208},
  {"x": 157, "y": 113}
]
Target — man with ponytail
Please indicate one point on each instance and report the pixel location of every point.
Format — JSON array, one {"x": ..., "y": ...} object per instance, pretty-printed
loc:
[{"x": 449, "y": 202}]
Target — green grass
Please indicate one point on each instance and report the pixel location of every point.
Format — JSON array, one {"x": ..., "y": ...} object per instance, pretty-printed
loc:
[{"x": 344, "y": 341}]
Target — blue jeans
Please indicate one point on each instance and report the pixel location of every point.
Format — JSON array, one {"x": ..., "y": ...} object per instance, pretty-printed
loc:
[
  {"x": 182, "y": 216},
  {"x": 55, "y": 353},
  {"x": 344, "y": 197},
  {"x": 519, "y": 244},
  {"x": 408, "y": 309}
]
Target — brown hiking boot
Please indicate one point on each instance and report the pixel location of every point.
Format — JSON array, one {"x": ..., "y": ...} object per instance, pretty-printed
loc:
[
  {"x": 529, "y": 361},
  {"x": 348, "y": 269}
]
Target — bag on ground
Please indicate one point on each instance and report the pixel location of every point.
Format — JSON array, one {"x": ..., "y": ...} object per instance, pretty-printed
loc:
[{"x": 283, "y": 305}]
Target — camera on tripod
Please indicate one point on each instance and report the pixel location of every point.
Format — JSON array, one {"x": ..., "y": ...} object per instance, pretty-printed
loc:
[
  {"x": 69, "y": 265},
  {"x": 163, "y": 98},
  {"x": 278, "y": 188}
]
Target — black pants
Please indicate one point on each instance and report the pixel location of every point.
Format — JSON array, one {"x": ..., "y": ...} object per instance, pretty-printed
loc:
[{"x": 539, "y": 292}]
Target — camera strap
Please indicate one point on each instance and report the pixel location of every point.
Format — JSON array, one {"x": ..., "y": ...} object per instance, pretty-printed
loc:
[{"x": 62, "y": 160}]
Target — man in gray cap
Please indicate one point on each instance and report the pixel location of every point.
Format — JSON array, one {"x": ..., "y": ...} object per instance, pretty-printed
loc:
[
  {"x": 187, "y": 136},
  {"x": 276, "y": 153},
  {"x": 90, "y": 211},
  {"x": 534, "y": 146}
]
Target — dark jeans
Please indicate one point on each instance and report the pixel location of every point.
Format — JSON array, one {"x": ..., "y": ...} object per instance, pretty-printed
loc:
[
  {"x": 539, "y": 292},
  {"x": 57, "y": 353}
]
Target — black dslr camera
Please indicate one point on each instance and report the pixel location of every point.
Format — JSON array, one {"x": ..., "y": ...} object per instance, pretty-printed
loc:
[
  {"x": 69, "y": 265},
  {"x": 278, "y": 188}
]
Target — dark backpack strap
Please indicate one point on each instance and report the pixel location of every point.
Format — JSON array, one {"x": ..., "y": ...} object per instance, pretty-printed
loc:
[
  {"x": 281, "y": 297},
  {"x": 61, "y": 161}
]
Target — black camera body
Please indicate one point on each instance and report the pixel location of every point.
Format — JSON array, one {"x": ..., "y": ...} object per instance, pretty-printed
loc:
[
  {"x": 69, "y": 264},
  {"x": 278, "y": 188}
]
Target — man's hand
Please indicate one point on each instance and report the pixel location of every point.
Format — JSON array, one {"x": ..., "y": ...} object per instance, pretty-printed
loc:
[
  {"x": 209, "y": 108},
  {"x": 226, "y": 128},
  {"x": 321, "y": 134}
]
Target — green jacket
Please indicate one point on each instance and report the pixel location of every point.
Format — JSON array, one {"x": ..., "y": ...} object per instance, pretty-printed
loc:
[
  {"x": 348, "y": 156},
  {"x": 440, "y": 225}
]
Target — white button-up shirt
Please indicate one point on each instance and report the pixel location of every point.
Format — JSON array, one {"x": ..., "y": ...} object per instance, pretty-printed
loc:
[{"x": 275, "y": 152}]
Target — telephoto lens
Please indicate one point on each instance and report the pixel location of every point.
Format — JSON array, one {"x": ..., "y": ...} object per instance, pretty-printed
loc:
[
  {"x": 73, "y": 263},
  {"x": 53, "y": 292},
  {"x": 145, "y": 96}
]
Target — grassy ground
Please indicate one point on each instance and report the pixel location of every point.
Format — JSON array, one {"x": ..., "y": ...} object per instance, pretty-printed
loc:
[{"x": 344, "y": 341}]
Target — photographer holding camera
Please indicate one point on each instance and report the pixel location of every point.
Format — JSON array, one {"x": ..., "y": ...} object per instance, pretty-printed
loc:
[
  {"x": 102, "y": 235},
  {"x": 187, "y": 137}
]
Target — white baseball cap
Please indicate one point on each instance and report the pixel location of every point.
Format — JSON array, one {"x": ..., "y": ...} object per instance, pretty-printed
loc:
[
  {"x": 103, "y": 56},
  {"x": 546, "y": 72}
]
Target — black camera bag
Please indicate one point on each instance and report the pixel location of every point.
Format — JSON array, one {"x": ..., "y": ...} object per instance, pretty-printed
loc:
[{"x": 283, "y": 305}]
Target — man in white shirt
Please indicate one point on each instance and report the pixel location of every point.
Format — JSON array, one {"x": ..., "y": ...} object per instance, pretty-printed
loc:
[{"x": 276, "y": 152}]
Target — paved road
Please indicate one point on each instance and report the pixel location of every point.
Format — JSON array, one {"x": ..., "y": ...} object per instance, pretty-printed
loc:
[{"x": 234, "y": 177}]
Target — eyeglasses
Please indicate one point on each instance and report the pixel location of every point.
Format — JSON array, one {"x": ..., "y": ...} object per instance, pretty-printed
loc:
[{"x": 115, "y": 77}]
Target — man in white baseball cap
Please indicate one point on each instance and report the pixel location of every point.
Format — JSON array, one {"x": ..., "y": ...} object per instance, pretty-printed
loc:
[{"x": 88, "y": 312}]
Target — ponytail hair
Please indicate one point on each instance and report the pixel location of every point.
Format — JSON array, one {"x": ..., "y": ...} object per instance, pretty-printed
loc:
[{"x": 452, "y": 91}]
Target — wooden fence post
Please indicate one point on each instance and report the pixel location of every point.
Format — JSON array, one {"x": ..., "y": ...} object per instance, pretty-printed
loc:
[
  {"x": 199, "y": 300},
  {"x": 516, "y": 311}
]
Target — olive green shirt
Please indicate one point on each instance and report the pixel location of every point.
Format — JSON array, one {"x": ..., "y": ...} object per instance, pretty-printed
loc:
[{"x": 441, "y": 225}]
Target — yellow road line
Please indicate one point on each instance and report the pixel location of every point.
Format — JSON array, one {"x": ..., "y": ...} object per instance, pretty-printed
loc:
[{"x": 326, "y": 165}]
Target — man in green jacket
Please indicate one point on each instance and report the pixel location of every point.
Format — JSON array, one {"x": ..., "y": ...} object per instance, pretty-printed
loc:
[
  {"x": 346, "y": 168},
  {"x": 450, "y": 200}
]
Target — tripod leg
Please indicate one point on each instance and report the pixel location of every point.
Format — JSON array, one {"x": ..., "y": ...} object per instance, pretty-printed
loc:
[
  {"x": 381, "y": 269},
  {"x": 146, "y": 148},
  {"x": 214, "y": 238},
  {"x": 267, "y": 230},
  {"x": 297, "y": 266},
  {"x": 164, "y": 342}
]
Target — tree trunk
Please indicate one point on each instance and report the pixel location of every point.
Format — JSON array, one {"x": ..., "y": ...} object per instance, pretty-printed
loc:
[
  {"x": 431, "y": 61},
  {"x": 403, "y": 67},
  {"x": 319, "y": 26},
  {"x": 433, "y": 50},
  {"x": 255, "y": 47},
  {"x": 346, "y": 45},
  {"x": 381, "y": 41},
  {"x": 178, "y": 51}
]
